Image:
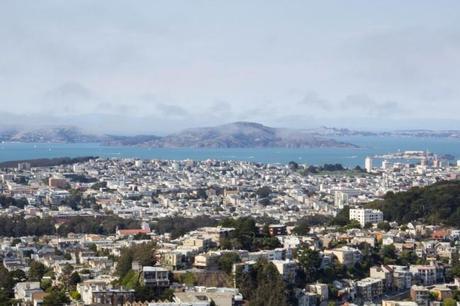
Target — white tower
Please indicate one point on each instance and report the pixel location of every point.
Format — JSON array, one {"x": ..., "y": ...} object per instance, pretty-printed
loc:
[{"x": 368, "y": 164}]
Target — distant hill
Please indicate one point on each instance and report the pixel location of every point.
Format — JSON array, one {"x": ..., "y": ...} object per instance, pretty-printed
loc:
[
  {"x": 340, "y": 132},
  {"x": 233, "y": 135},
  {"x": 243, "y": 135},
  {"x": 50, "y": 134},
  {"x": 435, "y": 204}
]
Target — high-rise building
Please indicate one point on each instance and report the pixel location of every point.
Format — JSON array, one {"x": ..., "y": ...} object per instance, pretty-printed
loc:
[{"x": 368, "y": 164}]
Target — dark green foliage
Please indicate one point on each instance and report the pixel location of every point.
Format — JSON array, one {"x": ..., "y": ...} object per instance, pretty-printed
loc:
[
  {"x": 435, "y": 204},
  {"x": 324, "y": 168},
  {"x": 263, "y": 192},
  {"x": 384, "y": 226},
  {"x": 7, "y": 283},
  {"x": 342, "y": 218},
  {"x": 388, "y": 254},
  {"x": 302, "y": 226},
  {"x": 56, "y": 297},
  {"x": 96, "y": 225},
  {"x": 76, "y": 200},
  {"x": 80, "y": 178},
  {"x": 141, "y": 236},
  {"x": 293, "y": 165},
  {"x": 37, "y": 271},
  {"x": 17, "y": 226},
  {"x": 142, "y": 253},
  {"x": 262, "y": 285},
  {"x": 6, "y": 202},
  {"x": 246, "y": 236},
  {"x": 310, "y": 262},
  {"x": 227, "y": 260},
  {"x": 124, "y": 264},
  {"x": 99, "y": 185},
  {"x": 179, "y": 226},
  {"x": 74, "y": 279},
  {"x": 266, "y": 243}
]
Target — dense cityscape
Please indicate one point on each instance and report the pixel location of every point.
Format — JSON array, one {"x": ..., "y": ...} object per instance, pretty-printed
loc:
[
  {"x": 229, "y": 153},
  {"x": 156, "y": 232}
]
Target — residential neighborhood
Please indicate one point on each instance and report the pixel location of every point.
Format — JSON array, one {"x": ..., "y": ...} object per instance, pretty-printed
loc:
[{"x": 199, "y": 233}]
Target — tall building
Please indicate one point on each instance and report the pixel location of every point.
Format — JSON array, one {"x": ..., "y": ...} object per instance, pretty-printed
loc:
[
  {"x": 24, "y": 166},
  {"x": 364, "y": 215},
  {"x": 368, "y": 164},
  {"x": 340, "y": 199}
]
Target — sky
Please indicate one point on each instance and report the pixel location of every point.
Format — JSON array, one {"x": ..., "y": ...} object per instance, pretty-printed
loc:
[{"x": 161, "y": 66}]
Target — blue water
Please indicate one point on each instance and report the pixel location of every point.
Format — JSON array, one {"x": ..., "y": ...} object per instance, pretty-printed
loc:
[{"x": 350, "y": 157}]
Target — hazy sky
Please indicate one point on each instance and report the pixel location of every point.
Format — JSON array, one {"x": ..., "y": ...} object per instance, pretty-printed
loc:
[{"x": 158, "y": 66}]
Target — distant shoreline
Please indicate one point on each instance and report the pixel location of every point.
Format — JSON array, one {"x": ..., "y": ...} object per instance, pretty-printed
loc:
[{"x": 46, "y": 162}]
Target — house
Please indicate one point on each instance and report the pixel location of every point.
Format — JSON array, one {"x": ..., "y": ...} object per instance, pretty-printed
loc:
[
  {"x": 370, "y": 288},
  {"x": 345, "y": 255},
  {"x": 420, "y": 295},
  {"x": 394, "y": 277},
  {"x": 38, "y": 298},
  {"x": 145, "y": 229},
  {"x": 112, "y": 296},
  {"x": 155, "y": 277},
  {"x": 24, "y": 290},
  {"x": 87, "y": 287},
  {"x": 206, "y": 261},
  {"x": 202, "y": 296},
  {"x": 427, "y": 274}
]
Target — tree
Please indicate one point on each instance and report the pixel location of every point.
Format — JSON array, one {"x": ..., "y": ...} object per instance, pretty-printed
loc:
[
  {"x": 37, "y": 271},
  {"x": 310, "y": 261},
  {"x": 4, "y": 298},
  {"x": 74, "y": 279},
  {"x": 435, "y": 204},
  {"x": 142, "y": 253},
  {"x": 301, "y": 228},
  {"x": 227, "y": 260},
  {"x": 263, "y": 192},
  {"x": 388, "y": 253},
  {"x": 271, "y": 288},
  {"x": 384, "y": 226},
  {"x": 124, "y": 263},
  {"x": 261, "y": 284},
  {"x": 407, "y": 258},
  {"x": 56, "y": 297},
  {"x": 244, "y": 234},
  {"x": 18, "y": 276},
  {"x": 342, "y": 218}
]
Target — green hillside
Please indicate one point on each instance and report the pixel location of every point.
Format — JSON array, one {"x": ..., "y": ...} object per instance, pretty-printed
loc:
[{"x": 435, "y": 204}]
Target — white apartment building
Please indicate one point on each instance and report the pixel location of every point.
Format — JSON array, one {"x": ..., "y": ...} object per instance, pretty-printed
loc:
[
  {"x": 368, "y": 164},
  {"x": 155, "y": 277},
  {"x": 364, "y": 215}
]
